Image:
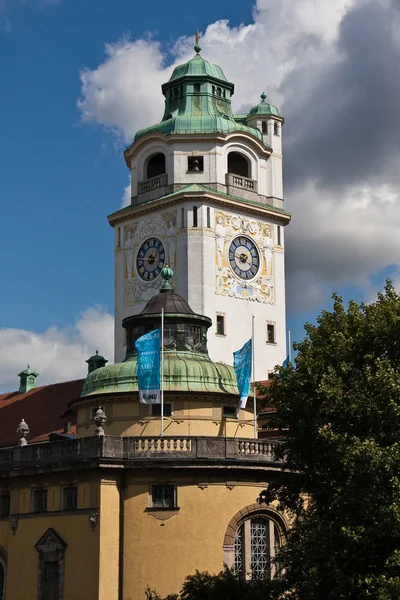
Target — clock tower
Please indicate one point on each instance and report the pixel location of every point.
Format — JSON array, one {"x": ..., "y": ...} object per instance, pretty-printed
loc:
[{"x": 207, "y": 199}]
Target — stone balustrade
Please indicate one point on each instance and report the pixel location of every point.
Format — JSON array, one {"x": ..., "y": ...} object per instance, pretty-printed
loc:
[
  {"x": 150, "y": 184},
  {"x": 237, "y": 181},
  {"x": 117, "y": 449}
]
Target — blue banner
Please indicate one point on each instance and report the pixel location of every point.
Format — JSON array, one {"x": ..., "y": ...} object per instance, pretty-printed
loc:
[
  {"x": 242, "y": 360},
  {"x": 148, "y": 367}
]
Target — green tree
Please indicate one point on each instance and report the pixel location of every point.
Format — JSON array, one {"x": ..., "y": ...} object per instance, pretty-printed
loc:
[
  {"x": 338, "y": 408},
  {"x": 224, "y": 586}
]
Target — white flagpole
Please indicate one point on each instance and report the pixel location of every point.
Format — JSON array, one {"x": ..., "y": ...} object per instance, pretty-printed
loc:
[
  {"x": 290, "y": 348},
  {"x": 254, "y": 377},
  {"x": 162, "y": 372}
]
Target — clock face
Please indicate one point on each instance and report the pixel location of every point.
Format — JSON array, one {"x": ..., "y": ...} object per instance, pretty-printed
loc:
[
  {"x": 150, "y": 259},
  {"x": 244, "y": 257}
]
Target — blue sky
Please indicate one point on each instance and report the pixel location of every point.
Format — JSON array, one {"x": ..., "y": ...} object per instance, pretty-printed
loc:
[{"x": 62, "y": 169}]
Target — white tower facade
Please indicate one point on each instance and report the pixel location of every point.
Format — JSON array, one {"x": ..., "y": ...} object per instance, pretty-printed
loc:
[{"x": 207, "y": 198}]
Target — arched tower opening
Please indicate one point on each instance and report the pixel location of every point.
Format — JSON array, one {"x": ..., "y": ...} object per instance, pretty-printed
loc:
[
  {"x": 155, "y": 165},
  {"x": 238, "y": 164}
]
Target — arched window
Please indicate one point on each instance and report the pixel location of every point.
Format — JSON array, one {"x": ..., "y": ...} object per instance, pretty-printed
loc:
[
  {"x": 276, "y": 128},
  {"x": 238, "y": 164},
  {"x": 257, "y": 541},
  {"x": 252, "y": 540},
  {"x": 264, "y": 127},
  {"x": 155, "y": 165}
]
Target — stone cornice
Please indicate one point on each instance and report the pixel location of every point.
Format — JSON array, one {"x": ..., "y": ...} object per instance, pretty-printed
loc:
[
  {"x": 171, "y": 138},
  {"x": 177, "y": 197}
]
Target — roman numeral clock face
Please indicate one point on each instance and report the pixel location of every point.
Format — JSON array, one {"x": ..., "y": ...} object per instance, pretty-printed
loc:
[
  {"x": 150, "y": 259},
  {"x": 244, "y": 257}
]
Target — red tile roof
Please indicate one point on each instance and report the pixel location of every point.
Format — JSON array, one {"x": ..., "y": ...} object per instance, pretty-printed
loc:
[{"x": 42, "y": 408}]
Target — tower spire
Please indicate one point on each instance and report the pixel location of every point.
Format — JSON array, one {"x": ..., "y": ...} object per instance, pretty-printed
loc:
[{"x": 197, "y": 45}]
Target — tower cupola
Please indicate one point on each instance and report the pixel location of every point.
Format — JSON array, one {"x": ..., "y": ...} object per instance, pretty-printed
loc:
[{"x": 27, "y": 380}]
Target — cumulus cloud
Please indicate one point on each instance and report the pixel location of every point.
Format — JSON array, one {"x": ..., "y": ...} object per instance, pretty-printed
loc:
[
  {"x": 56, "y": 354},
  {"x": 330, "y": 67}
]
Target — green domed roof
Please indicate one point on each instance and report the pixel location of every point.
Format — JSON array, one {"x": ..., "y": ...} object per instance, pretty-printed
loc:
[
  {"x": 198, "y": 66},
  {"x": 264, "y": 108},
  {"x": 198, "y": 124},
  {"x": 183, "y": 372},
  {"x": 198, "y": 100}
]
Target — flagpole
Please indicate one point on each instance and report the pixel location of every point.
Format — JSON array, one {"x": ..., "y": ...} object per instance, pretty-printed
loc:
[
  {"x": 254, "y": 377},
  {"x": 290, "y": 348},
  {"x": 162, "y": 372}
]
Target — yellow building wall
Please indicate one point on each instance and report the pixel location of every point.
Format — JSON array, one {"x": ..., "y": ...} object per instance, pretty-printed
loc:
[
  {"x": 189, "y": 418},
  {"x": 81, "y": 556},
  {"x": 109, "y": 540},
  {"x": 160, "y": 554},
  {"x": 81, "y": 567}
]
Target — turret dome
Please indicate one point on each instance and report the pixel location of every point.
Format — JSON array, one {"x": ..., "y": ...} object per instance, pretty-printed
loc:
[{"x": 264, "y": 108}]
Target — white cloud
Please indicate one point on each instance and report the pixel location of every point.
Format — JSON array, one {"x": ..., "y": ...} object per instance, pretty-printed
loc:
[
  {"x": 56, "y": 354},
  {"x": 126, "y": 198}
]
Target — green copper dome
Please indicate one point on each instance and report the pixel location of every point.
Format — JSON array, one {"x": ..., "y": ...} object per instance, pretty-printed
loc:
[
  {"x": 183, "y": 372},
  {"x": 264, "y": 108},
  {"x": 198, "y": 66},
  {"x": 198, "y": 100}
]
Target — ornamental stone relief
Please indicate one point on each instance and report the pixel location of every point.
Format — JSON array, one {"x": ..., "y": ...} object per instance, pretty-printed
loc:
[
  {"x": 244, "y": 258},
  {"x": 140, "y": 284}
]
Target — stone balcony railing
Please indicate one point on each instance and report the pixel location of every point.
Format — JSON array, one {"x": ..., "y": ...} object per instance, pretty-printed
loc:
[
  {"x": 131, "y": 449},
  {"x": 153, "y": 183},
  {"x": 243, "y": 183}
]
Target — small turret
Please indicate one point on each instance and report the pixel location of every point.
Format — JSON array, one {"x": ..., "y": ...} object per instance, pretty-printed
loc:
[
  {"x": 27, "y": 380},
  {"x": 96, "y": 361}
]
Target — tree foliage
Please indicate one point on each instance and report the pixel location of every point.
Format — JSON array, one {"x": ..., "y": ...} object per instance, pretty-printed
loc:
[
  {"x": 339, "y": 411},
  {"x": 224, "y": 586}
]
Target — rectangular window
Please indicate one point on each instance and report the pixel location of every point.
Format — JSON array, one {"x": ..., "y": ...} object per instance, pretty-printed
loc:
[
  {"x": 156, "y": 410},
  {"x": 119, "y": 237},
  {"x": 229, "y": 411},
  {"x": 196, "y": 88},
  {"x": 182, "y": 217},
  {"x": 51, "y": 581},
  {"x": 5, "y": 505},
  {"x": 39, "y": 501},
  {"x": 279, "y": 235},
  {"x": 70, "y": 497},
  {"x": 208, "y": 217},
  {"x": 270, "y": 333},
  {"x": 163, "y": 496},
  {"x": 195, "y": 164},
  {"x": 194, "y": 216},
  {"x": 220, "y": 325}
]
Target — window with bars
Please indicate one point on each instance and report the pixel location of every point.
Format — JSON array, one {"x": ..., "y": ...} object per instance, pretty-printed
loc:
[
  {"x": 39, "y": 501},
  {"x": 5, "y": 504},
  {"x": 256, "y": 543},
  {"x": 163, "y": 496},
  {"x": 51, "y": 581},
  {"x": 70, "y": 497}
]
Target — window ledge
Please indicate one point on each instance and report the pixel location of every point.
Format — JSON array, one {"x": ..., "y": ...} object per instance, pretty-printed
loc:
[
  {"x": 271, "y": 343},
  {"x": 162, "y": 514},
  {"x": 220, "y": 334}
]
